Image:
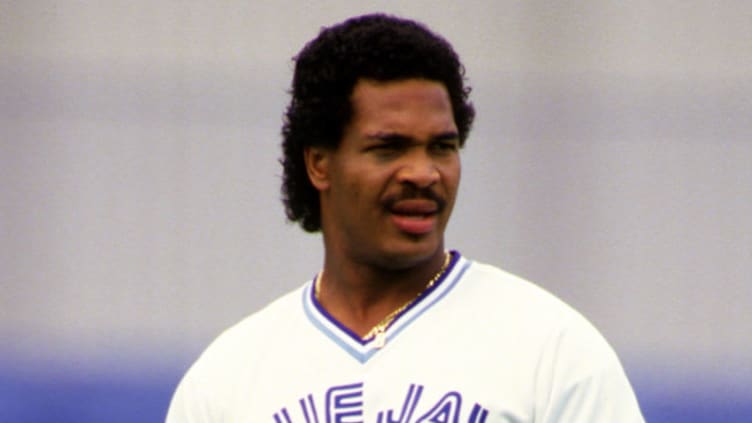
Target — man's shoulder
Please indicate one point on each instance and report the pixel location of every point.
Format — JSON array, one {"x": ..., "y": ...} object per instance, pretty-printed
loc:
[
  {"x": 271, "y": 317},
  {"x": 502, "y": 297},
  {"x": 494, "y": 284},
  {"x": 259, "y": 327},
  {"x": 499, "y": 297}
]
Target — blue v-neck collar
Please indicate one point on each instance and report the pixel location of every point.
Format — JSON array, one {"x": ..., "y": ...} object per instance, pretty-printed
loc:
[{"x": 363, "y": 349}]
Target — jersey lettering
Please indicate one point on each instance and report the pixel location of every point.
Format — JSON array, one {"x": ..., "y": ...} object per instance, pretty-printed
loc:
[
  {"x": 447, "y": 410},
  {"x": 309, "y": 409},
  {"x": 284, "y": 418},
  {"x": 413, "y": 396},
  {"x": 478, "y": 415},
  {"x": 344, "y": 404}
]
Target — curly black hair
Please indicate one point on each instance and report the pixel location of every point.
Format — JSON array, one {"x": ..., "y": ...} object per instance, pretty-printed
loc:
[{"x": 376, "y": 47}]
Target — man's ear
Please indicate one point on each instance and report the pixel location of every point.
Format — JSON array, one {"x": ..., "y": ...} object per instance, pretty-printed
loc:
[{"x": 317, "y": 166}]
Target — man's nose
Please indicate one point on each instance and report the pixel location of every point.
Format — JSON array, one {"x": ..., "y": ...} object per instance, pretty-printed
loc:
[{"x": 419, "y": 169}]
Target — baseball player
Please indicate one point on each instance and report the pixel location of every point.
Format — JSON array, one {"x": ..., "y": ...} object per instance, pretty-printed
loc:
[{"x": 395, "y": 327}]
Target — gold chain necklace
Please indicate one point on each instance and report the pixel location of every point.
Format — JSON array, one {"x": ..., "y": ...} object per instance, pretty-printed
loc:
[{"x": 379, "y": 330}]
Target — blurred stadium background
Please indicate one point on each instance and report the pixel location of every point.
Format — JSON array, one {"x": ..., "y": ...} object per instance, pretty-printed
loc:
[{"x": 611, "y": 163}]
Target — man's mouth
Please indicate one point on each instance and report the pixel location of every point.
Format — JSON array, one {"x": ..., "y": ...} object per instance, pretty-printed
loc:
[
  {"x": 414, "y": 207},
  {"x": 415, "y": 216}
]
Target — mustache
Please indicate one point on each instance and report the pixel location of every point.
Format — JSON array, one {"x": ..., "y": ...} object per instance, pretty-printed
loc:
[{"x": 410, "y": 192}]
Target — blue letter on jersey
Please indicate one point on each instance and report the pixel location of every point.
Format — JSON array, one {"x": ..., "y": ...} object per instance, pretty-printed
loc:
[
  {"x": 413, "y": 396},
  {"x": 447, "y": 410},
  {"x": 344, "y": 404}
]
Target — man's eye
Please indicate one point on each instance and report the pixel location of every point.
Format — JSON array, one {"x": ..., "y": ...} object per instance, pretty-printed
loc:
[
  {"x": 385, "y": 148},
  {"x": 446, "y": 146}
]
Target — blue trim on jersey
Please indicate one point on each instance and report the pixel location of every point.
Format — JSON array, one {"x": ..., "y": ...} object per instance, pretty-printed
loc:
[
  {"x": 451, "y": 284},
  {"x": 317, "y": 322},
  {"x": 455, "y": 256},
  {"x": 329, "y": 317},
  {"x": 362, "y": 349}
]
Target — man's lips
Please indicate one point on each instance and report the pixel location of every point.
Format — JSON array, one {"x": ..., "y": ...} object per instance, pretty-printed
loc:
[
  {"x": 415, "y": 216},
  {"x": 413, "y": 201},
  {"x": 414, "y": 207}
]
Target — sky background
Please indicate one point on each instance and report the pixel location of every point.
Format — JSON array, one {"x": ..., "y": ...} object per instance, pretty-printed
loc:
[{"x": 610, "y": 163}]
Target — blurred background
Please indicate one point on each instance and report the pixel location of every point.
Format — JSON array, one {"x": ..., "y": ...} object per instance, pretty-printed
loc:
[{"x": 611, "y": 163}]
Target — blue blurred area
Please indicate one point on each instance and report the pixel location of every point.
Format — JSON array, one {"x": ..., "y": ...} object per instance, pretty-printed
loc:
[
  {"x": 31, "y": 397},
  {"x": 70, "y": 397},
  {"x": 696, "y": 408}
]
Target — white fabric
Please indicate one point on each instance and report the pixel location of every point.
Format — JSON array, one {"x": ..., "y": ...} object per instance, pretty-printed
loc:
[{"x": 481, "y": 346}]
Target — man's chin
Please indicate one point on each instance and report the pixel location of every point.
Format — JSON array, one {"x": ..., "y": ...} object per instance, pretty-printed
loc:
[{"x": 410, "y": 254}]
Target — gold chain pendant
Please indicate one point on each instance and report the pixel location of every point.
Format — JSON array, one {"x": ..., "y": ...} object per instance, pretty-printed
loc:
[{"x": 380, "y": 338}]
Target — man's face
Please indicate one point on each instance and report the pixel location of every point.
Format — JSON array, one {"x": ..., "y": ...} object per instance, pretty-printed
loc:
[{"x": 387, "y": 191}]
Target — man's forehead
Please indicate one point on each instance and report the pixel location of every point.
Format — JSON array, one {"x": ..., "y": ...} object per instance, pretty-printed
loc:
[
  {"x": 375, "y": 98},
  {"x": 407, "y": 109}
]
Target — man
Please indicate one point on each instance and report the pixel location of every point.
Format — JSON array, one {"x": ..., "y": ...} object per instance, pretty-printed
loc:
[{"x": 395, "y": 328}]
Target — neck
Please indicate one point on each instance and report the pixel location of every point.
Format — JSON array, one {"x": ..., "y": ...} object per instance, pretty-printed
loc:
[{"x": 360, "y": 295}]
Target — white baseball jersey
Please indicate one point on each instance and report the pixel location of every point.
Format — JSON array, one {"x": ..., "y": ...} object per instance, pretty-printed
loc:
[{"x": 481, "y": 345}]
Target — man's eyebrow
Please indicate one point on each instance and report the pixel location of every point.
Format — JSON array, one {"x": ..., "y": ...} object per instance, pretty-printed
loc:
[
  {"x": 389, "y": 137},
  {"x": 446, "y": 136},
  {"x": 399, "y": 138}
]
